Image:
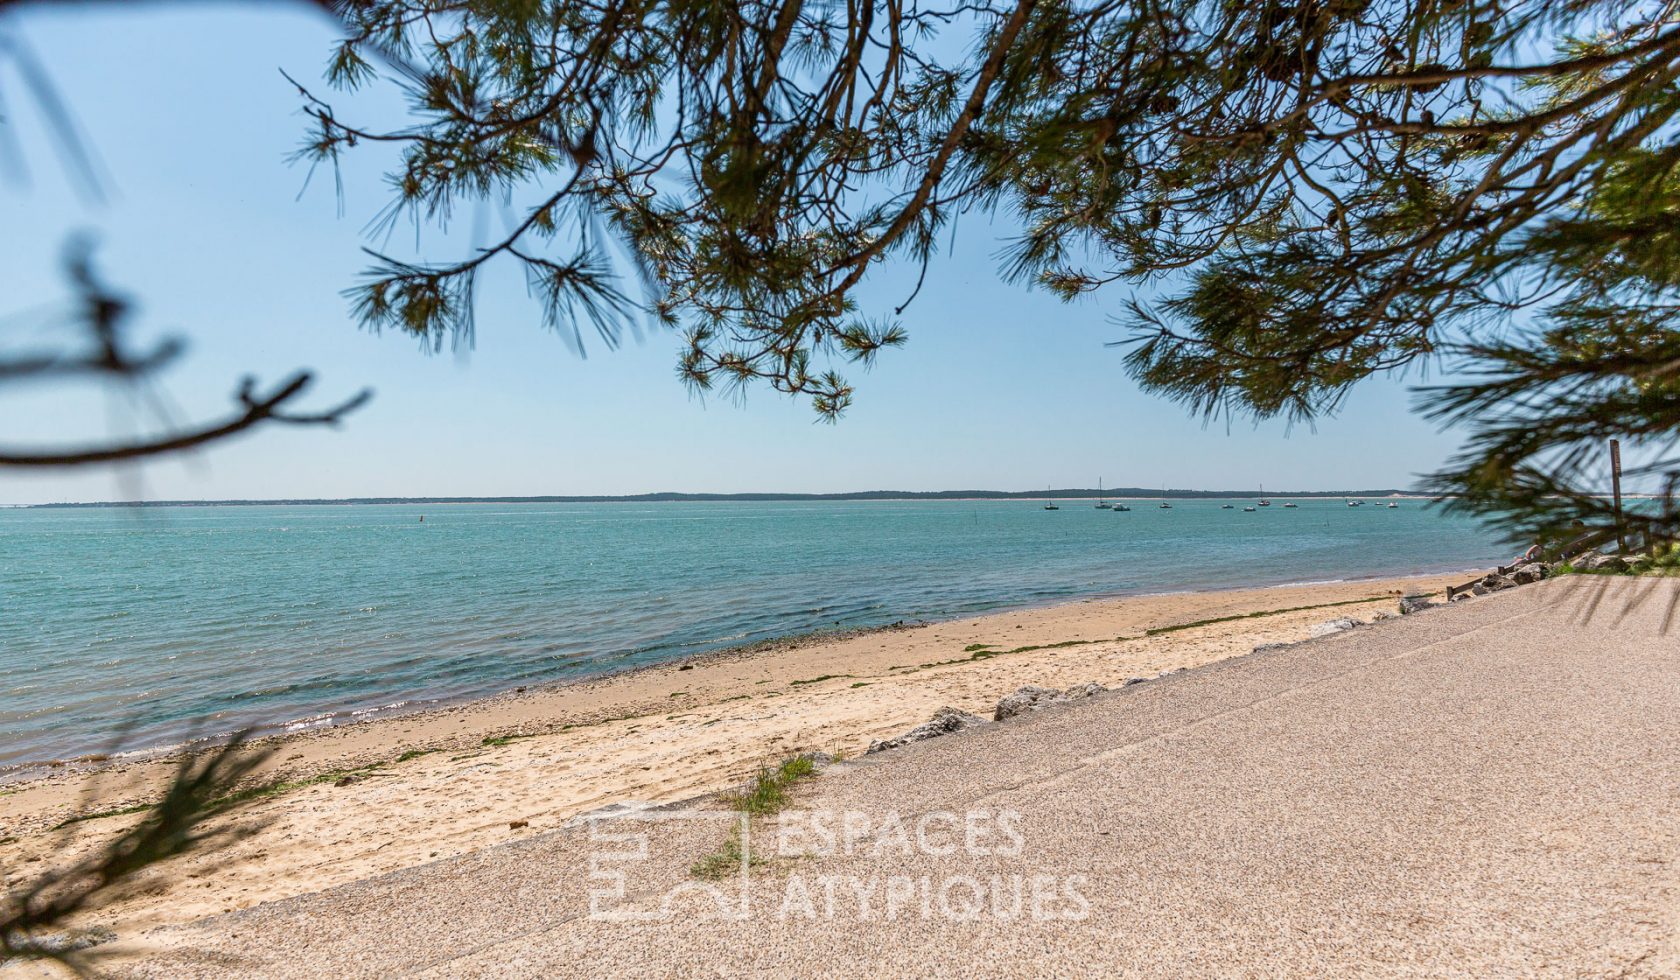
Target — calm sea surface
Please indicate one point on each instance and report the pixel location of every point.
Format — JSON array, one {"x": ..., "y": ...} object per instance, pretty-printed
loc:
[{"x": 163, "y": 624}]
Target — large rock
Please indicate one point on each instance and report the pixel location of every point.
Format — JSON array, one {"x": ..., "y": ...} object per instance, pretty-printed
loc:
[
  {"x": 1528, "y": 573},
  {"x": 1080, "y": 692},
  {"x": 1415, "y": 604},
  {"x": 1032, "y": 697},
  {"x": 1494, "y": 583},
  {"x": 1334, "y": 626},
  {"x": 944, "y": 722},
  {"x": 1598, "y": 562},
  {"x": 1025, "y": 699}
]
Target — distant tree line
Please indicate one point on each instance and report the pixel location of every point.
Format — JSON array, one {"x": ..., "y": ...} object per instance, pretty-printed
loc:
[{"x": 1074, "y": 493}]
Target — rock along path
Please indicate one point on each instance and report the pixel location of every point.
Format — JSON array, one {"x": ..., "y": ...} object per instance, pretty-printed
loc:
[{"x": 1488, "y": 789}]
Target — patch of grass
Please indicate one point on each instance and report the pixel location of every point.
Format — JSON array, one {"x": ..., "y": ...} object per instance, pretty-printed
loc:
[
  {"x": 102, "y": 814},
  {"x": 258, "y": 792},
  {"x": 414, "y": 754},
  {"x": 7, "y": 840},
  {"x": 860, "y": 684},
  {"x": 724, "y": 861},
  {"x": 599, "y": 721},
  {"x": 266, "y": 790},
  {"x": 983, "y": 651},
  {"x": 738, "y": 697},
  {"x": 1157, "y": 631},
  {"x": 989, "y": 654},
  {"x": 677, "y": 694},
  {"x": 768, "y": 794},
  {"x": 819, "y": 680},
  {"x": 491, "y": 740}
]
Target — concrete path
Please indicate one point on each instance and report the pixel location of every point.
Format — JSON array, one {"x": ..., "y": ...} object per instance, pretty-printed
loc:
[{"x": 1491, "y": 789}]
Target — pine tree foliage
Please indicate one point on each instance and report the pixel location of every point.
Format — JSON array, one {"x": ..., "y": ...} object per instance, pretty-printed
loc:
[{"x": 1312, "y": 190}]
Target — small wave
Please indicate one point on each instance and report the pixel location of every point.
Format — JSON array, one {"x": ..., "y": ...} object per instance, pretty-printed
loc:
[
  {"x": 314, "y": 721},
  {"x": 364, "y": 712}
]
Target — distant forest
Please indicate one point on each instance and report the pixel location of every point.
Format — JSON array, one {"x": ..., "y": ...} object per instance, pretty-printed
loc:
[{"x": 1076, "y": 493}]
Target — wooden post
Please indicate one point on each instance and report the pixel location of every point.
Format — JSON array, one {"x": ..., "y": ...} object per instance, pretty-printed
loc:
[{"x": 1616, "y": 489}]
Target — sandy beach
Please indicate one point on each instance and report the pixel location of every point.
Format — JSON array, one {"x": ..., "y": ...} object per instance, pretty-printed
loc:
[{"x": 347, "y": 803}]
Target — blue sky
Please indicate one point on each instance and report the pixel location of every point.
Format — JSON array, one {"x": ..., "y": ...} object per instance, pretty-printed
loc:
[{"x": 998, "y": 388}]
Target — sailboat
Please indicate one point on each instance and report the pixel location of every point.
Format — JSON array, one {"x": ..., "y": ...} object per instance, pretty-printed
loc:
[
  {"x": 1164, "y": 504},
  {"x": 1263, "y": 501},
  {"x": 1101, "y": 504},
  {"x": 1048, "y": 503}
]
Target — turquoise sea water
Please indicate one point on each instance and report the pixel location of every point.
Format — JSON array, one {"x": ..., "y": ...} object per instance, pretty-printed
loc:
[{"x": 169, "y": 623}]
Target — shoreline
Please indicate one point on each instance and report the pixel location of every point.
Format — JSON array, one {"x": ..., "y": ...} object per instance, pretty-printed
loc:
[
  {"x": 336, "y": 719},
  {"x": 334, "y": 805}
]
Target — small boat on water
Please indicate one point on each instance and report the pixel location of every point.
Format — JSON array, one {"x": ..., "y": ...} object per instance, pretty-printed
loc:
[
  {"x": 1263, "y": 501},
  {"x": 1226, "y": 507},
  {"x": 1248, "y": 510},
  {"x": 1101, "y": 503},
  {"x": 1119, "y": 508},
  {"x": 1289, "y": 506},
  {"x": 1048, "y": 503},
  {"x": 1393, "y": 506},
  {"x": 1165, "y": 505}
]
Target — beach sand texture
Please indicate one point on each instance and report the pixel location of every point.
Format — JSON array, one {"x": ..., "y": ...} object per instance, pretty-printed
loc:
[
  {"x": 399, "y": 792},
  {"x": 1481, "y": 791}
]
